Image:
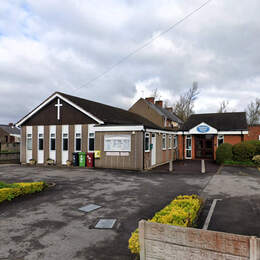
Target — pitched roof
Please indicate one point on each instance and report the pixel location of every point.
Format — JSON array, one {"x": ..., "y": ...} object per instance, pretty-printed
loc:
[
  {"x": 164, "y": 112},
  {"x": 107, "y": 114},
  {"x": 10, "y": 130},
  {"x": 221, "y": 121}
]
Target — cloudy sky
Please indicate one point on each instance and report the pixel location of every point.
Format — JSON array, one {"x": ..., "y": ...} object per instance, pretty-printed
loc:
[{"x": 60, "y": 45}]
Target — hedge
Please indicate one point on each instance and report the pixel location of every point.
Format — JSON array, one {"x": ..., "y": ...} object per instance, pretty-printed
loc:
[
  {"x": 182, "y": 211},
  {"x": 17, "y": 189},
  {"x": 224, "y": 153},
  {"x": 244, "y": 151}
]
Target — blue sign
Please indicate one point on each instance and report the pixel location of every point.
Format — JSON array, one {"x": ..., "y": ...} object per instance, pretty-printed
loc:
[{"x": 203, "y": 128}]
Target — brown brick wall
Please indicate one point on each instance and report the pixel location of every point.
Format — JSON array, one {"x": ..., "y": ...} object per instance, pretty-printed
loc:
[
  {"x": 141, "y": 108},
  {"x": 253, "y": 133},
  {"x": 58, "y": 144},
  {"x": 46, "y": 144},
  {"x": 84, "y": 138},
  {"x": 232, "y": 139},
  {"x": 71, "y": 141},
  {"x": 23, "y": 144},
  {"x": 34, "y": 142}
]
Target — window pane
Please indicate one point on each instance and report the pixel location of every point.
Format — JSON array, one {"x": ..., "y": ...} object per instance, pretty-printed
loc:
[
  {"x": 40, "y": 144},
  {"x": 146, "y": 143},
  {"x": 65, "y": 144},
  {"x": 91, "y": 144},
  {"x": 78, "y": 135},
  {"x": 29, "y": 144},
  {"x": 53, "y": 144},
  {"x": 78, "y": 144}
]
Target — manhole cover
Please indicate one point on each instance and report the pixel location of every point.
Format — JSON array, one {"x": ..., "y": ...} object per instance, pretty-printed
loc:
[
  {"x": 89, "y": 207},
  {"x": 106, "y": 223}
]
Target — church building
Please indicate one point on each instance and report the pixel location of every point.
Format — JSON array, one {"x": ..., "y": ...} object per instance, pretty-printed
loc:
[{"x": 64, "y": 124}]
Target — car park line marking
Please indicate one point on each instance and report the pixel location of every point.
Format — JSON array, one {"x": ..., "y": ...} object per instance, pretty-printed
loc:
[{"x": 207, "y": 221}]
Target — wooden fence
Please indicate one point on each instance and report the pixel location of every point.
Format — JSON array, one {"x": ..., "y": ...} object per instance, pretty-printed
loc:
[{"x": 160, "y": 241}]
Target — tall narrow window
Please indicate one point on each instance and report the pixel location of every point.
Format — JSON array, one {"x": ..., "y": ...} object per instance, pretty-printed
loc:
[
  {"x": 53, "y": 142},
  {"x": 78, "y": 142},
  {"x": 40, "y": 142},
  {"x": 147, "y": 142},
  {"x": 188, "y": 147},
  {"x": 175, "y": 141},
  {"x": 65, "y": 142},
  {"x": 164, "y": 141},
  {"x": 91, "y": 142},
  {"x": 29, "y": 141},
  {"x": 220, "y": 139},
  {"x": 170, "y": 142}
]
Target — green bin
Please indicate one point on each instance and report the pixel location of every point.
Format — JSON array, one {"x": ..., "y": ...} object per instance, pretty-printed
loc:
[{"x": 82, "y": 159}]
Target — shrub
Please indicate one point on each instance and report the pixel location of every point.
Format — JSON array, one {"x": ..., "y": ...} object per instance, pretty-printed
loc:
[
  {"x": 224, "y": 153},
  {"x": 182, "y": 211},
  {"x": 243, "y": 151},
  {"x": 256, "y": 160},
  {"x": 17, "y": 189},
  {"x": 256, "y": 144}
]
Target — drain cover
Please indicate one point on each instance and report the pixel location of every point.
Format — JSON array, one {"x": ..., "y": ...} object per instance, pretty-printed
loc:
[
  {"x": 106, "y": 223},
  {"x": 89, "y": 207}
]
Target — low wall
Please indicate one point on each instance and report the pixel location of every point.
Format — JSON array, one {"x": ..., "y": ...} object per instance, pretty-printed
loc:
[
  {"x": 9, "y": 157},
  {"x": 160, "y": 241}
]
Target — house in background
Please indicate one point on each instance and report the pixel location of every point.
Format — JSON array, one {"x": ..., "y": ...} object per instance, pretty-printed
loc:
[
  {"x": 253, "y": 132},
  {"x": 9, "y": 138},
  {"x": 64, "y": 124},
  {"x": 155, "y": 112}
]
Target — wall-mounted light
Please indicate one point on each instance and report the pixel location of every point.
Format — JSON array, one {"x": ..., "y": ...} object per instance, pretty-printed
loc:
[{"x": 133, "y": 133}]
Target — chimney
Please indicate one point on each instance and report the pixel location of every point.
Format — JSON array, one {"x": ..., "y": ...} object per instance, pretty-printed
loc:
[
  {"x": 159, "y": 103},
  {"x": 11, "y": 125},
  {"x": 169, "y": 109},
  {"x": 150, "y": 99}
]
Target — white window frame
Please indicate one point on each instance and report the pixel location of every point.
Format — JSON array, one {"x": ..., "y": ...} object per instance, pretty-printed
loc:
[
  {"x": 164, "y": 142},
  {"x": 65, "y": 136},
  {"x": 78, "y": 136},
  {"x": 170, "y": 142},
  {"x": 29, "y": 138},
  {"x": 91, "y": 137},
  {"x": 219, "y": 138},
  {"x": 188, "y": 137},
  {"x": 259, "y": 137},
  {"x": 40, "y": 136},
  {"x": 51, "y": 137},
  {"x": 175, "y": 141},
  {"x": 147, "y": 135}
]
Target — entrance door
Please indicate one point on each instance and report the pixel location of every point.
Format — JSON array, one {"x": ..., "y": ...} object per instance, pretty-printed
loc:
[
  {"x": 204, "y": 146},
  {"x": 40, "y": 145},
  {"x": 153, "y": 159}
]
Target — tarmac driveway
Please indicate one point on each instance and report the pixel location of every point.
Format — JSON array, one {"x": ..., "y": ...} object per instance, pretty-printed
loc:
[{"x": 48, "y": 225}]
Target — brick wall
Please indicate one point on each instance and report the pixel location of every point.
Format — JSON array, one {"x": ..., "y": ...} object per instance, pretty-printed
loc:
[{"x": 253, "y": 133}]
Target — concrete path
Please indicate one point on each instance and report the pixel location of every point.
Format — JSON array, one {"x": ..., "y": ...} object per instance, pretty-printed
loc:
[{"x": 48, "y": 225}]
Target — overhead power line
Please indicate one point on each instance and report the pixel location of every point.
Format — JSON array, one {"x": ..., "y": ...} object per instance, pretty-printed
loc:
[{"x": 144, "y": 45}]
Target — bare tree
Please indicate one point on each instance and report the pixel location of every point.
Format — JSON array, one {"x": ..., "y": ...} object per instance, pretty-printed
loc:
[
  {"x": 183, "y": 107},
  {"x": 223, "y": 107},
  {"x": 253, "y": 112}
]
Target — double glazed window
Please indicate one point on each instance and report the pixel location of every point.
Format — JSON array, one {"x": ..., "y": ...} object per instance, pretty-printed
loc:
[
  {"x": 78, "y": 141},
  {"x": 170, "y": 142},
  {"x": 65, "y": 142},
  {"x": 91, "y": 142},
  {"x": 147, "y": 142},
  {"x": 53, "y": 142},
  {"x": 40, "y": 142},
  {"x": 175, "y": 141},
  {"x": 164, "y": 141},
  {"x": 29, "y": 141},
  {"x": 188, "y": 147},
  {"x": 220, "y": 139}
]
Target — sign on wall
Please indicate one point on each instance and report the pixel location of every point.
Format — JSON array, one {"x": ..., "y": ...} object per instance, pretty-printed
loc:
[
  {"x": 203, "y": 129},
  {"x": 117, "y": 143}
]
